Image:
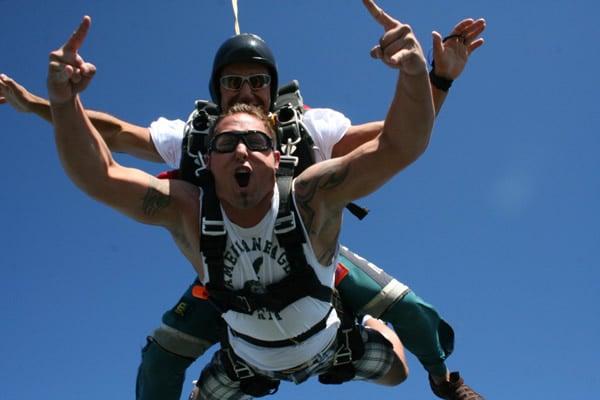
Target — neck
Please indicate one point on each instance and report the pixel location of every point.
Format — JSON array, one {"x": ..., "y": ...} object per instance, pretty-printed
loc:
[{"x": 247, "y": 216}]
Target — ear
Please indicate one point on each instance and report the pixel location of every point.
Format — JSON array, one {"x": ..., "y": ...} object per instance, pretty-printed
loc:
[
  {"x": 207, "y": 160},
  {"x": 277, "y": 157}
]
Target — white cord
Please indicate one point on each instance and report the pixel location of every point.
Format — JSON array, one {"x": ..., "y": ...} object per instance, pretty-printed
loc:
[{"x": 236, "y": 26}]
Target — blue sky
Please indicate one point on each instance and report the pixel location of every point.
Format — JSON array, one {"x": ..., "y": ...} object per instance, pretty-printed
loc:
[{"x": 497, "y": 224}]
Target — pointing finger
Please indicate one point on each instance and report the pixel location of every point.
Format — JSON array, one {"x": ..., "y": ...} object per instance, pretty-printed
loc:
[
  {"x": 77, "y": 38},
  {"x": 380, "y": 16}
]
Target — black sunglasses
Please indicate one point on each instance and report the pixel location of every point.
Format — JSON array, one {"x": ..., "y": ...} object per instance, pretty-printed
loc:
[
  {"x": 235, "y": 82},
  {"x": 226, "y": 142}
]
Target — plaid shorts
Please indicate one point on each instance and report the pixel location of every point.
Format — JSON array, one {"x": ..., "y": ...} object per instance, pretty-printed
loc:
[{"x": 214, "y": 383}]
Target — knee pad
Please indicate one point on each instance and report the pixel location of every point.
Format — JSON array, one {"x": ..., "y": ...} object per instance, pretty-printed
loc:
[
  {"x": 179, "y": 343},
  {"x": 155, "y": 357},
  {"x": 364, "y": 287}
]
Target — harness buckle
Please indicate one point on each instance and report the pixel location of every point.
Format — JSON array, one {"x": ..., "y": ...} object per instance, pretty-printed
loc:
[
  {"x": 241, "y": 370},
  {"x": 213, "y": 228},
  {"x": 245, "y": 303},
  {"x": 288, "y": 160},
  {"x": 285, "y": 224},
  {"x": 343, "y": 355}
]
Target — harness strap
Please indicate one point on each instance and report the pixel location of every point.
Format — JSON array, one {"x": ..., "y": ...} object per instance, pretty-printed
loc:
[
  {"x": 288, "y": 228},
  {"x": 350, "y": 347},
  {"x": 238, "y": 370},
  {"x": 214, "y": 236},
  {"x": 319, "y": 326}
]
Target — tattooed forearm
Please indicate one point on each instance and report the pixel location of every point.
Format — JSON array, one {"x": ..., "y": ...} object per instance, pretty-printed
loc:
[{"x": 154, "y": 201}]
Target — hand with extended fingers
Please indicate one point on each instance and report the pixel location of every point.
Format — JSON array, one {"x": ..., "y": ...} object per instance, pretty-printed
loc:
[
  {"x": 68, "y": 73},
  {"x": 398, "y": 47},
  {"x": 14, "y": 94},
  {"x": 451, "y": 54}
]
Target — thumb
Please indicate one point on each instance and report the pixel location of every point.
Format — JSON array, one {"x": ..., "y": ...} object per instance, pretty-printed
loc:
[{"x": 438, "y": 46}]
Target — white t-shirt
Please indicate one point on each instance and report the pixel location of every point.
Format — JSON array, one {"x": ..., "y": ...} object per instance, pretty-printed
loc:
[
  {"x": 254, "y": 254},
  {"x": 325, "y": 126}
]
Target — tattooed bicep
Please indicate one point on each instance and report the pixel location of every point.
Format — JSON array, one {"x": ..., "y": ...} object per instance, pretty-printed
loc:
[
  {"x": 155, "y": 198},
  {"x": 321, "y": 177}
]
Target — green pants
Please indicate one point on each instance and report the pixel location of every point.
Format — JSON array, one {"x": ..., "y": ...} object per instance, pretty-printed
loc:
[{"x": 189, "y": 328}]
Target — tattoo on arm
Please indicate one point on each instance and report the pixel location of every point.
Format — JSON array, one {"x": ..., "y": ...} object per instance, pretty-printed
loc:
[
  {"x": 306, "y": 189},
  {"x": 333, "y": 179},
  {"x": 305, "y": 193},
  {"x": 154, "y": 201}
]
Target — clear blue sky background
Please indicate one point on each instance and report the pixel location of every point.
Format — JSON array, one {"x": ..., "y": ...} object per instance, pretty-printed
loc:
[{"x": 497, "y": 224}]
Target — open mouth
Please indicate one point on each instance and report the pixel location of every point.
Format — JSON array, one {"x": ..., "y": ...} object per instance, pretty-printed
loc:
[{"x": 242, "y": 178}]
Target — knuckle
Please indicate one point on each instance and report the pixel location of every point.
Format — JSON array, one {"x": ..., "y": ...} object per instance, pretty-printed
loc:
[{"x": 406, "y": 28}]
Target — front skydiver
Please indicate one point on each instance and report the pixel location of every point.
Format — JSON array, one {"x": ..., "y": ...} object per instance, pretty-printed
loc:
[{"x": 187, "y": 331}]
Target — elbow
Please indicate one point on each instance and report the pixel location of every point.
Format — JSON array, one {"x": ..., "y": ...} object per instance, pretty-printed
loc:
[
  {"x": 92, "y": 181},
  {"x": 408, "y": 151}
]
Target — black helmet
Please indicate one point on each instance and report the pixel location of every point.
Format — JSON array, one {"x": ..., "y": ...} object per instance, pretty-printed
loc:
[{"x": 246, "y": 47}]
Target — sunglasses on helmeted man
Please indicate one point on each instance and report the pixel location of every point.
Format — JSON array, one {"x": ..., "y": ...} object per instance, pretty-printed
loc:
[
  {"x": 226, "y": 142},
  {"x": 235, "y": 82}
]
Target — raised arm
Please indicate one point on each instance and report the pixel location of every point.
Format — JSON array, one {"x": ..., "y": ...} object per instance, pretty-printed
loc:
[
  {"x": 120, "y": 136},
  {"x": 325, "y": 188},
  {"x": 89, "y": 163},
  {"x": 450, "y": 58}
]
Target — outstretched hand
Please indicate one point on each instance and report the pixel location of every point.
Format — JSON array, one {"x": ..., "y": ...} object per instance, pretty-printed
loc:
[
  {"x": 14, "y": 94},
  {"x": 451, "y": 56},
  {"x": 398, "y": 47},
  {"x": 68, "y": 73}
]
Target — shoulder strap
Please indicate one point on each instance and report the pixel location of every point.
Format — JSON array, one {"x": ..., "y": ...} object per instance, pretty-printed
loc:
[
  {"x": 302, "y": 280},
  {"x": 194, "y": 144},
  {"x": 213, "y": 237}
]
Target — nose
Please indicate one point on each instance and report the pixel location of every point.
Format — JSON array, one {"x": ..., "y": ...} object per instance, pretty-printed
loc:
[
  {"x": 245, "y": 90},
  {"x": 241, "y": 151}
]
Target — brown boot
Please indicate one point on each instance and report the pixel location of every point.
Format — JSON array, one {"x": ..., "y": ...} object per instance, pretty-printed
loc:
[{"x": 454, "y": 389}]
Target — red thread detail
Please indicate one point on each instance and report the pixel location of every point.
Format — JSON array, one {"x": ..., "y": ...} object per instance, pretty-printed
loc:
[
  {"x": 200, "y": 292},
  {"x": 340, "y": 273}
]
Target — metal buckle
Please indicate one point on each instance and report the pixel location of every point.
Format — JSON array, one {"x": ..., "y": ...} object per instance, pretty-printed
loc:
[
  {"x": 285, "y": 224},
  {"x": 343, "y": 355},
  {"x": 242, "y": 370},
  {"x": 290, "y": 147},
  {"x": 287, "y": 159},
  {"x": 245, "y": 302},
  {"x": 211, "y": 228}
]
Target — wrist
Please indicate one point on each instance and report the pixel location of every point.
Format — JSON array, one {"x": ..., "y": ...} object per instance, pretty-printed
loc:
[{"x": 437, "y": 81}]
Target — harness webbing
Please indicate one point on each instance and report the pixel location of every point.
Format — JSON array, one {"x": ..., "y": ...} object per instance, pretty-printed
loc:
[{"x": 319, "y": 326}]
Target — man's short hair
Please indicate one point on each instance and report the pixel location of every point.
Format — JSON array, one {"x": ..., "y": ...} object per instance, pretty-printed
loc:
[{"x": 242, "y": 108}]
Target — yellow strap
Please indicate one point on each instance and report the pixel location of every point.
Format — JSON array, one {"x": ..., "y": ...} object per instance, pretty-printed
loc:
[{"x": 235, "y": 16}]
